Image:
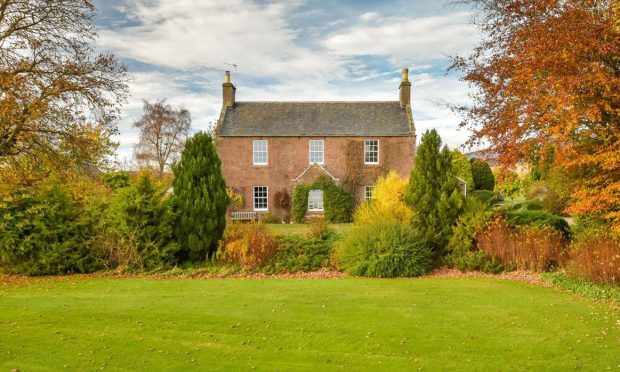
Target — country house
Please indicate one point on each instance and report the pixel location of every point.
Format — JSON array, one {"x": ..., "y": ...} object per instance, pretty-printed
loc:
[{"x": 266, "y": 147}]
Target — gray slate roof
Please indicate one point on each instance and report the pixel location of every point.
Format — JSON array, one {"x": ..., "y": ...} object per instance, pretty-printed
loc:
[{"x": 301, "y": 119}]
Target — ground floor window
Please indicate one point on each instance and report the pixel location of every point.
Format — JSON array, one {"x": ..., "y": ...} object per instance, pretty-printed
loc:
[
  {"x": 261, "y": 196},
  {"x": 315, "y": 200},
  {"x": 368, "y": 192}
]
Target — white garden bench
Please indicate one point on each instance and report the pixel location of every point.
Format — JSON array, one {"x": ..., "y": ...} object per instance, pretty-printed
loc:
[{"x": 243, "y": 216}]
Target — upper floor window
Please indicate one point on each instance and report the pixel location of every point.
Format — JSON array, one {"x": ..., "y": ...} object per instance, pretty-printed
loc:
[
  {"x": 260, "y": 155},
  {"x": 368, "y": 192},
  {"x": 371, "y": 151},
  {"x": 315, "y": 200},
  {"x": 316, "y": 151},
  {"x": 261, "y": 197}
]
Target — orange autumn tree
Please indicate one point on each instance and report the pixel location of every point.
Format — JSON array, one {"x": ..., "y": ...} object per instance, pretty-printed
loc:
[
  {"x": 547, "y": 75},
  {"x": 59, "y": 98}
]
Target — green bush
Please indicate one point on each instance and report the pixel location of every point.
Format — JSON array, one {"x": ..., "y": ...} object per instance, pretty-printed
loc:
[
  {"x": 433, "y": 192},
  {"x": 44, "y": 233},
  {"x": 476, "y": 261},
  {"x": 487, "y": 197},
  {"x": 143, "y": 219},
  {"x": 589, "y": 226},
  {"x": 469, "y": 222},
  {"x": 201, "y": 199},
  {"x": 508, "y": 183},
  {"x": 538, "y": 218},
  {"x": 483, "y": 176},
  {"x": 300, "y": 254},
  {"x": 269, "y": 218},
  {"x": 384, "y": 249},
  {"x": 115, "y": 180},
  {"x": 461, "y": 167}
]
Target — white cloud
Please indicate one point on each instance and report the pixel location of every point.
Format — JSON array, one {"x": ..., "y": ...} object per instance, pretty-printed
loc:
[
  {"x": 187, "y": 34},
  {"x": 370, "y": 16},
  {"x": 410, "y": 38}
]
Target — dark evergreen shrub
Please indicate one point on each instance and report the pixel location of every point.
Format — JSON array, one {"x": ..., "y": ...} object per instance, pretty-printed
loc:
[
  {"x": 384, "y": 249},
  {"x": 483, "y": 176},
  {"x": 301, "y": 254},
  {"x": 486, "y": 196},
  {"x": 144, "y": 221},
  {"x": 538, "y": 218},
  {"x": 433, "y": 193},
  {"x": 115, "y": 180},
  {"x": 200, "y": 198},
  {"x": 44, "y": 233}
]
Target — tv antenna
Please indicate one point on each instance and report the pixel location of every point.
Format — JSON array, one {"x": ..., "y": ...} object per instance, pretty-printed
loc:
[{"x": 235, "y": 66}]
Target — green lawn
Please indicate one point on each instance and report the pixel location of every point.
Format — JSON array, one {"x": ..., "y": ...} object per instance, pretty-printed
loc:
[
  {"x": 290, "y": 324},
  {"x": 300, "y": 229}
]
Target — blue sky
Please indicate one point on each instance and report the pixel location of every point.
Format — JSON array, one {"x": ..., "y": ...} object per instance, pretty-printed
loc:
[{"x": 300, "y": 50}]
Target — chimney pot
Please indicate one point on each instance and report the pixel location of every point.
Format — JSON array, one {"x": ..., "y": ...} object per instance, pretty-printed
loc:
[
  {"x": 228, "y": 91},
  {"x": 405, "y": 89}
]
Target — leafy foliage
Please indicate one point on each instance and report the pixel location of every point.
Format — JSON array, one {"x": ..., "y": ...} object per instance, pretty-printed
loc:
[
  {"x": 487, "y": 197},
  {"x": 44, "y": 234},
  {"x": 387, "y": 203},
  {"x": 508, "y": 182},
  {"x": 59, "y": 100},
  {"x": 468, "y": 224},
  {"x": 384, "y": 249},
  {"x": 482, "y": 175},
  {"x": 461, "y": 167},
  {"x": 582, "y": 286},
  {"x": 538, "y": 218},
  {"x": 300, "y": 202},
  {"x": 300, "y": 254},
  {"x": 530, "y": 46},
  {"x": 200, "y": 197},
  {"x": 432, "y": 192},
  {"x": 247, "y": 244},
  {"x": 115, "y": 180},
  {"x": 143, "y": 219},
  {"x": 319, "y": 227},
  {"x": 337, "y": 201}
]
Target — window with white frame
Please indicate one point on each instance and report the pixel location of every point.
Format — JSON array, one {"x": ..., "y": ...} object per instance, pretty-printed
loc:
[
  {"x": 260, "y": 155},
  {"x": 371, "y": 151},
  {"x": 261, "y": 196},
  {"x": 316, "y": 151},
  {"x": 368, "y": 192},
  {"x": 315, "y": 200}
]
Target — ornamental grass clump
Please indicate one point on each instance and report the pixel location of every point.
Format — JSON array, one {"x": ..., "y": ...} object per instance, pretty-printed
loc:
[
  {"x": 597, "y": 260},
  {"x": 384, "y": 249},
  {"x": 248, "y": 245},
  {"x": 524, "y": 248}
]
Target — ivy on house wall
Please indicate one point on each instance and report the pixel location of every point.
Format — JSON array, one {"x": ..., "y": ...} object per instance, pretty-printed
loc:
[
  {"x": 338, "y": 202},
  {"x": 300, "y": 202},
  {"x": 354, "y": 165}
]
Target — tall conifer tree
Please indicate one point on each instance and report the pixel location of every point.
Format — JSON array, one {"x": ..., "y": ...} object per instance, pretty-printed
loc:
[
  {"x": 201, "y": 199},
  {"x": 433, "y": 192}
]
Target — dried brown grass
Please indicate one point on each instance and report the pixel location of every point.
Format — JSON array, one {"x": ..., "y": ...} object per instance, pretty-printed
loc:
[
  {"x": 524, "y": 248},
  {"x": 597, "y": 260}
]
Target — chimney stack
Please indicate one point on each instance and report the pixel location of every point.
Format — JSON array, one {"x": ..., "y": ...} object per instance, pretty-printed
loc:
[
  {"x": 228, "y": 91},
  {"x": 405, "y": 89}
]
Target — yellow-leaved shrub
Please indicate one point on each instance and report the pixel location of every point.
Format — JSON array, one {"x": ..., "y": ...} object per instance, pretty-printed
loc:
[
  {"x": 248, "y": 245},
  {"x": 387, "y": 202}
]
